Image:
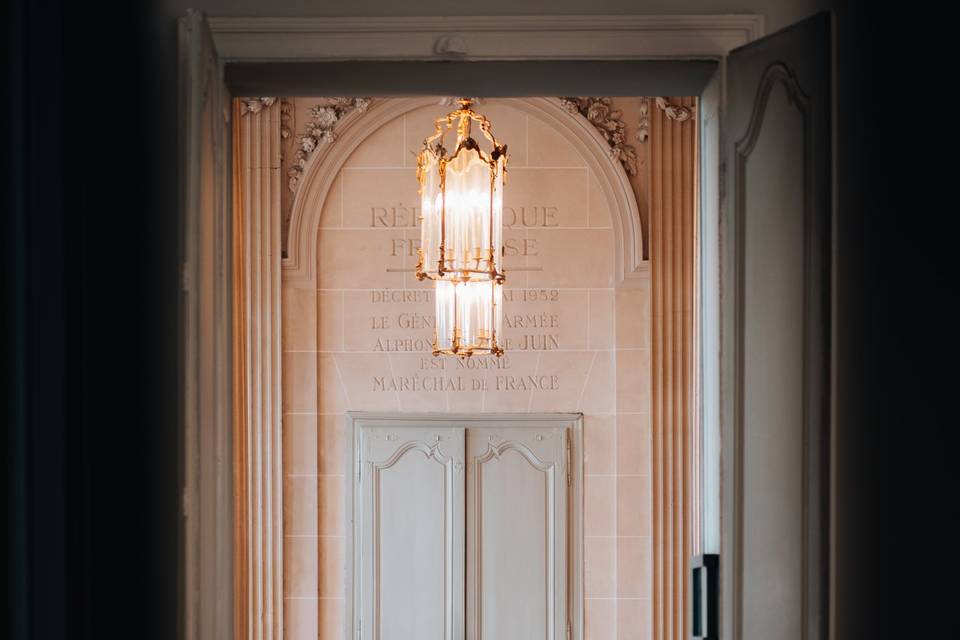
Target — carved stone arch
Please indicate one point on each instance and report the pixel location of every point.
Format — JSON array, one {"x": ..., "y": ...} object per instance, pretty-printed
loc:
[{"x": 323, "y": 167}]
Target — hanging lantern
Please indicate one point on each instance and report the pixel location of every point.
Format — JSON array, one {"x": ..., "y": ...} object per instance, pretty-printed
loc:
[{"x": 461, "y": 241}]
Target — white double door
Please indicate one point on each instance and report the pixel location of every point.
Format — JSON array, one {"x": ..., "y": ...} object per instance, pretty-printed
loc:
[{"x": 461, "y": 532}]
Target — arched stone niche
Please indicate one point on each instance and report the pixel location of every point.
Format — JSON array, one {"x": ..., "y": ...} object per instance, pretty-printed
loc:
[
  {"x": 323, "y": 168},
  {"x": 344, "y": 333}
]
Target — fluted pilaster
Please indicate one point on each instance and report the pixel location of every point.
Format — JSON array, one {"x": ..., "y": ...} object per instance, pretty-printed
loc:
[
  {"x": 673, "y": 231},
  {"x": 258, "y": 472}
]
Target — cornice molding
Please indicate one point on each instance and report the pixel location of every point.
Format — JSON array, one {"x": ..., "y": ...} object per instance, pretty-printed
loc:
[{"x": 483, "y": 37}]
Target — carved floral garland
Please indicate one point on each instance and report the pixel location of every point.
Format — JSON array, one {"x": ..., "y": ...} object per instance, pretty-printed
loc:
[
  {"x": 607, "y": 121},
  {"x": 675, "y": 112},
  {"x": 319, "y": 130},
  {"x": 254, "y": 105}
]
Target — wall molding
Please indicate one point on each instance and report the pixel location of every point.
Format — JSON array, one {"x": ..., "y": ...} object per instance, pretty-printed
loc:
[{"x": 483, "y": 37}]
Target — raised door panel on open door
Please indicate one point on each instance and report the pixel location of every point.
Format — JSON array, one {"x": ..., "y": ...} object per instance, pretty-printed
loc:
[
  {"x": 778, "y": 202},
  {"x": 411, "y": 573},
  {"x": 517, "y": 484}
]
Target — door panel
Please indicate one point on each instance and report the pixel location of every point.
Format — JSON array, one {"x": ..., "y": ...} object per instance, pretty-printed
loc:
[
  {"x": 412, "y": 557},
  {"x": 516, "y": 533},
  {"x": 460, "y": 528},
  {"x": 778, "y": 203}
]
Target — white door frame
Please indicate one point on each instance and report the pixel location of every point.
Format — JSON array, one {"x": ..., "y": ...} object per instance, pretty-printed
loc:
[{"x": 467, "y": 38}]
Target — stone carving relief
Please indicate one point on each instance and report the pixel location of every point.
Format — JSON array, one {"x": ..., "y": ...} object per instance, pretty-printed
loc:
[
  {"x": 323, "y": 117},
  {"x": 254, "y": 105},
  {"x": 643, "y": 122},
  {"x": 608, "y": 122},
  {"x": 672, "y": 111}
]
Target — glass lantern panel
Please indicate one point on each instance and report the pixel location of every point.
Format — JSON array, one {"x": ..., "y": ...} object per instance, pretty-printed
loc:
[
  {"x": 430, "y": 207},
  {"x": 446, "y": 306},
  {"x": 467, "y": 202}
]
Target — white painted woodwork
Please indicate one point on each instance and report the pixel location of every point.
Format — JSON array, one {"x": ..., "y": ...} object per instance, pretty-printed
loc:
[
  {"x": 517, "y": 533},
  {"x": 778, "y": 206},
  {"x": 709, "y": 317},
  {"x": 411, "y": 483},
  {"x": 772, "y": 431},
  {"x": 484, "y": 37},
  {"x": 207, "y": 339},
  {"x": 452, "y": 510}
]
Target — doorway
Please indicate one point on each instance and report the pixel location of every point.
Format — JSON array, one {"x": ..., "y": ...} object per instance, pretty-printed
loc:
[{"x": 207, "y": 353}]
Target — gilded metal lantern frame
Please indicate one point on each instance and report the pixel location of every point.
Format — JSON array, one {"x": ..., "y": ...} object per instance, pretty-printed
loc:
[{"x": 461, "y": 245}]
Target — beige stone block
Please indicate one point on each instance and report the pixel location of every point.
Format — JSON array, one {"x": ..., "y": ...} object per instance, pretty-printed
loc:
[
  {"x": 515, "y": 279},
  {"x": 599, "y": 505},
  {"x": 331, "y": 445},
  {"x": 598, "y": 392},
  {"x": 300, "y": 618},
  {"x": 599, "y": 567},
  {"x": 330, "y": 507},
  {"x": 545, "y": 198},
  {"x": 599, "y": 444},
  {"x": 546, "y": 319},
  {"x": 299, "y": 382},
  {"x": 633, "y": 443},
  {"x": 299, "y": 319},
  {"x": 382, "y": 148},
  {"x": 367, "y": 378},
  {"x": 600, "y": 208},
  {"x": 359, "y": 259},
  {"x": 633, "y": 381},
  {"x": 426, "y": 376},
  {"x": 329, "y": 330},
  {"x": 602, "y": 312},
  {"x": 332, "y": 567},
  {"x": 300, "y": 577},
  {"x": 560, "y": 380},
  {"x": 389, "y": 321},
  {"x": 331, "y": 213},
  {"x": 505, "y": 391},
  {"x": 633, "y": 567},
  {"x": 332, "y": 619},
  {"x": 331, "y": 391},
  {"x": 300, "y": 505},
  {"x": 580, "y": 258},
  {"x": 300, "y": 444},
  {"x": 548, "y": 148},
  {"x": 633, "y": 506},
  {"x": 600, "y": 619},
  {"x": 634, "y": 619},
  {"x": 380, "y": 198},
  {"x": 633, "y": 317}
]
